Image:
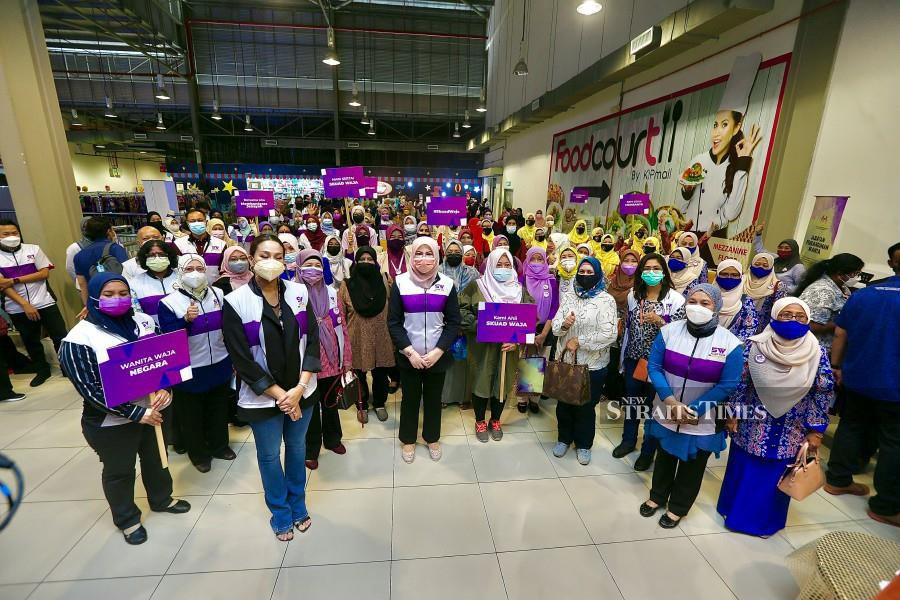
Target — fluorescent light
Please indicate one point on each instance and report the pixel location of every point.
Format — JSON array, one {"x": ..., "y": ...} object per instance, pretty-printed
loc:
[
  {"x": 466, "y": 123},
  {"x": 247, "y": 125},
  {"x": 101, "y": 146},
  {"x": 589, "y": 7},
  {"x": 161, "y": 93},
  {"x": 109, "y": 109},
  {"x": 75, "y": 119},
  {"x": 331, "y": 58},
  {"x": 159, "y": 122}
]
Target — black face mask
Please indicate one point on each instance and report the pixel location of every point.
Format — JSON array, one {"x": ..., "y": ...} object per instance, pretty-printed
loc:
[
  {"x": 640, "y": 234},
  {"x": 454, "y": 260},
  {"x": 579, "y": 229},
  {"x": 362, "y": 240},
  {"x": 334, "y": 250},
  {"x": 649, "y": 249},
  {"x": 597, "y": 239},
  {"x": 529, "y": 222},
  {"x": 357, "y": 218},
  {"x": 587, "y": 282},
  {"x": 606, "y": 247},
  {"x": 539, "y": 238}
]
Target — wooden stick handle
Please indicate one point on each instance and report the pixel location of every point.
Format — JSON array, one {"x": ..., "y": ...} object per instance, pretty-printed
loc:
[
  {"x": 161, "y": 446},
  {"x": 503, "y": 376}
]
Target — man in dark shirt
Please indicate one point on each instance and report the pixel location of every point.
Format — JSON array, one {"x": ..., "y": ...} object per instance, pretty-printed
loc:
[{"x": 100, "y": 233}]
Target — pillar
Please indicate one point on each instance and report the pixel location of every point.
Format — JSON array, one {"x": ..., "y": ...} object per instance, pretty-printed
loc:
[{"x": 33, "y": 145}]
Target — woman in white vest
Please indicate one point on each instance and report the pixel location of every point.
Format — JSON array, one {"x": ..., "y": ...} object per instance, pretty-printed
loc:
[
  {"x": 335, "y": 357},
  {"x": 121, "y": 434},
  {"x": 200, "y": 242},
  {"x": 272, "y": 338},
  {"x": 424, "y": 320},
  {"x": 694, "y": 366},
  {"x": 159, "y": 261},
  {"x": 201, "y": 403}
]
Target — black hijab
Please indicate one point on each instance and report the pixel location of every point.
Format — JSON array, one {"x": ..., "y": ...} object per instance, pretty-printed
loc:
[
  {"x": 786, "y": 264},
  {"x": 366, "y": 285}
]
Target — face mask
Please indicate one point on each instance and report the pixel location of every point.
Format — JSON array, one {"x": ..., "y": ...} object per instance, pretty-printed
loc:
[
  {"x": 395, "y": 245},
  {"x": 698, "y": 315},
  {"x": 194, "y": 279},
  {"x": 312, "y": 226},
  {"x": 587, "y": 282},
  {"x": 760, "y": 272},
  {"x": 529, "y": 222},
  {"x": 676, "y": 265},
  {"x": 197, "y": 227},
  {"x": 357, "y": 218},
  {"x": 649, "y": 249},
  {"x": 362, "y": 240},
  {"x": 652, "y": 277},
  {"x": 727, "y": 283},
  {"x": 158, "y": 264},
  {"x": 469, "y": 260},
  {"x": 539, "y": 238},
  {"x": 243, "y": 224},
  {"x": 275, "y": 220},
  {"x": 269, "y": 268},
  {"x": 579, "y": 229},
  {"x": 454, "y": 260},
  {"x": 335, "y": 250},
  {"x": 173, "y": 227},
  {"x": 311, "y": 274},
  {"x": 410, "y": 228},
  {"x": 424, "y": 263},
  {"x": 503, "y": 274},
  {"x": 691, "y": 249},
  {"x": 11, "y": 241},
  {"x": 290, "y": 258},
  {"x": 550, "y": 224},
  {"x": 852, "y": 282},
  {"x": 567, "y": 263},
  {"x": 640, "y": 235},
  {"x": 115, "y": 307},
  {"x": 510, "y": 229},
  {"x": 606, "y": 247},
  {"x": 218, "y": 234},
  {"x": 238, "y": 266},
  {"x": 785, "y": 253},
  {"x": 789, "y": 330}
]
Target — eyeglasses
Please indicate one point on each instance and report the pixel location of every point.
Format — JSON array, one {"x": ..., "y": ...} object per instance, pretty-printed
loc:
[
  {"x": 790, "y": 316},
  {"x": 654, "y": 268}
]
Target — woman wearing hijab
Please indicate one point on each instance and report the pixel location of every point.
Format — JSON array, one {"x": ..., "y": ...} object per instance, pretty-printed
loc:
[
  {"x": 272, "y": 338},
  {"x": 498, "y": 284},
  {"x": 216, "y": 228},
  {"x": 266, "y": 227},
  {"x": 337, "y": 264},
  {"x": 526, "y": 231},
  {"x": 424, "y": 229},
  {"x": 826, "y": 288},
  {"x": 456, "y": 382},
  {"x": 579, "y": 233},
  {"x": 335, "y": 356},
  {"x": 424, "y": 320},
  {"x": 543, "y": 287},
  {"x": 787, "y": 386},
  {"x": 470, "y": 257},
  {"x": 314, "y": 233},
  {"x": 122, "y": 434},
  {"x": 501, "y": 241},
  {"x": 587, "y": 325},
  {"x": 695, "y": 365},
  {"x": 517, "y": 246},
  {"x": 684, "y": 276},
  {"x": 605, "y": 252},
  {"x": 788, "y": 268},
  {"x": 235, "y": 270},
  {"x": 326, "y": 225},
  {"x": 291, "y": 252},
  {"x": 540, "y": 239},
  {"x": 173, "y": 229},
  {"x": 242, "y": 232},
  {"x": 566, "y": 268},
  {"x": 738, "y": 314},
  {"x": 363, "y": 299},
  {"x": 410, "y": 229},
  {"x": 763, "y": 287},
  {"x": 396, "y": 259},
  {"x": 689, "y": 241},
  {"x": 619, "y": 285},
  {"x": 201, "y": 403},
  {"x": 159, "y": 262}
]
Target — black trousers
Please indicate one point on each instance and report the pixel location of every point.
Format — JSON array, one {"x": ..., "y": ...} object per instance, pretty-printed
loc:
[
  {"x": 6, "y": 388},
  {"x": 52, "y": 320},
  {"x": 325, "y": 424},
  {"x": 202, "y": 421},
  {"x": 578, "y": 424},
  {"x": 117, "y": 447},
  {"x": 480, "y": 405},
  {"x": 615, "y": 381},
  {"x": 862, "y": 415},
  {"x": 379, "y": 386},
  {"x": 15, "y": 360},
  {"x": 676, "y": 483},
  {"x": 420, "y": 386}
]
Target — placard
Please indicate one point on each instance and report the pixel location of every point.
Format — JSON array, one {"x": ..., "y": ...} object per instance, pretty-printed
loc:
[
  {"x": 634, "y": 204},
  {"x": 135, "y": 369},
  {"x": 343, "y": 182},
  {"x": 451, "y": 210},
  {"x": 254, "y": 203},
  {"x": 160, "y": 195},
  {"x": 506, "y": 323},
  {"x": 722, "y": 248},
  {"x": 822, "y": 229},
  {"x": 369, "y": 188},
  {"x": 531, "y": 376},
  {"x": 579, "y": 195}
]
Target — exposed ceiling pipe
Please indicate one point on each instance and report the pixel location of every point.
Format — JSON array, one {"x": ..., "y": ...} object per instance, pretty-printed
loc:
[
  {"x": 229, "y": 23},
  {"x": 475, "y": 9}
]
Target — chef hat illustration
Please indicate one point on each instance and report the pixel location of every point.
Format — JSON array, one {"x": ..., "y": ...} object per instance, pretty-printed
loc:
[{"x": 740, "y": 81}]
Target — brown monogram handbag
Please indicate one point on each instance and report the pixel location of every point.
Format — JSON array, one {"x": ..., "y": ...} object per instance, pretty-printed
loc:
[{"x": 569, "y": 383}]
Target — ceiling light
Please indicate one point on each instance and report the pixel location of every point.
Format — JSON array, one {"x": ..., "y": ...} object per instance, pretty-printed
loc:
[
  {"x": 354, "y": 101},
  {"x": 365, "y": 118},
  {"x": 216, "y": 116},
  {"x": 482, "y": 105},
  {"x": 466, "y": 123},
  {"x": 371, "y": 128},
  {"x": 75, "y": 119},
  {"x": 589, "y": 7},
  {"x": 456, "y": 129},
  {"x": 161, "y": 93},
  {"x": 109, "y": 109},
  {"x": 100, "y": 146},
  {"x": 331, "y": 58},
  {"x": 142, "y": 152},
  {"x": 159, "y": 122},
  {"x": 247, "y": 125},
  {"x": 521, "y": 68}
]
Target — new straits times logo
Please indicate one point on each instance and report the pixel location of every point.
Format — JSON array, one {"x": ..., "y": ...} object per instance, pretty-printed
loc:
[{"x": 635, "y": 408}]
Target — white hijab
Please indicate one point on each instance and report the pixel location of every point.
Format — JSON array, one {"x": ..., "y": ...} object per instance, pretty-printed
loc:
[
  {"x": 338, "y": 264},
  {"x": 761, "y": 288},
  {"x": 681, "y": 279},
  {"x": 493, "y": 290},
  {"x": 731, "y": 299}
]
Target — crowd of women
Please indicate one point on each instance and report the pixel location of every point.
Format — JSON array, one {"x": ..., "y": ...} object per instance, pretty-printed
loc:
[{"x": 282, "y": 315}]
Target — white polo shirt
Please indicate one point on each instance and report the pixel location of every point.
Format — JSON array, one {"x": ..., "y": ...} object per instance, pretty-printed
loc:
[{"x": 28, "y": 259}]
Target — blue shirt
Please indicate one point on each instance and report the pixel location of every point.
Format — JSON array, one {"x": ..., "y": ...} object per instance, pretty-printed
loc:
[
  {"x": 89, "y": 256},
  {"x": 871, "y": 318}
]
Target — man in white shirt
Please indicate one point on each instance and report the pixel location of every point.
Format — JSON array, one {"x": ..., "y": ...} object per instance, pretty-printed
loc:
[{"x": 130, "y": 268}]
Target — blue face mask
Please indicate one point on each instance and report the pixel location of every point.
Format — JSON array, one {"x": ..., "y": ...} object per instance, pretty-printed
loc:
[
  {"x": 789, "y": 330},
  {"x": 727, "y": 283},
  {"x": 691, "y": 249},
  {"x": 760, "y": 272},
  {"x": 197, "y": 227},
  {"x": 676, "y": 265},
  {"x": 503, "y": 275}
]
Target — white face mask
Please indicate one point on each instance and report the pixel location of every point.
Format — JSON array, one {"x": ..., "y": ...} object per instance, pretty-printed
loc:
[
  {"x": 217, "y": 233},
  {"x": 697, "y": 314},
  {"x": 269, "y": 268},
  {"x": 194, "y": 279},
  {"x": 11, "y": 241},
  {"x": 852, "y": 282},
  {"x": 567, "y": 263}
]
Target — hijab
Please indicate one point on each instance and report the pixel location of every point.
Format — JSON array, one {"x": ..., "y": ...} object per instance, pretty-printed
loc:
[
  {"x": 183, "y": 261},
  {"x": 619, "y": 282},
  {"x": 493, "y": 290},
  {"x": 318, "y": 299},
  {"x": 123, "y": 325},
  {"x": 327, "y": 230},
  {"x": 209, "y": 229},
  {"x": 291, "y": 239},
  {"x": 515, "y": 242},
  {"x": 681, "y": 279},
  {"x": 526, "y": 232},
  {"x": 336, "y": 264},
  {"x": 236, "y": 279},
  {"x": 263, "y": 224},
  {"x": 396, "y": 260},
  {"x": 695, "y": 262},
  {"x": 585, "y": 246},
  {"x": 424, "y": 279},
  {"x": 761, "y": 288},
  {"x": 409, "y": 237},
  {"x": 732, "y": 300},
  {"x": 786, "y": 264},
  {"x": 316, "y": 238},
  {"x": 462, "y": 274},
  {"x": 651, "y": 241},
  {"x": 560, "y": 270},
  {"x": 368, "y": 294},
  {"x": 542, "y": 243},
  {"x": 608, "y": 258},
  {"x": 574, "y": 237},
  {"x": 783, "y": 371},
  {"x": 173, "y": 227},
  {"x": 714, "y": 294},
  {"x": 601, "y": 284},
  {"x": 595, "y": 246},
  {"x": 539, "y": 283}
]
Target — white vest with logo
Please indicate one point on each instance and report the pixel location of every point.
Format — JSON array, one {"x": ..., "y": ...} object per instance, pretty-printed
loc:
[
  {"x": 212, "y": 254},
  {"x": 204, "y": 332},
  {"x": 423, "y": 310},
  {"x": 148, "y": 291}
]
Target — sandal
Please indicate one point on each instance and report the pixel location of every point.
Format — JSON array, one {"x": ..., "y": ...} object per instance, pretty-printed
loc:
[
  {"x": 304, "y": 525},
  {"x": 285, "y": 536},
  {"x": 409, "y": 456}
]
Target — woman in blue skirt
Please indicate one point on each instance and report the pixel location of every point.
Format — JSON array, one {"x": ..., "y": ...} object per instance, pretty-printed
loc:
[{"x": 783, "y": 401}]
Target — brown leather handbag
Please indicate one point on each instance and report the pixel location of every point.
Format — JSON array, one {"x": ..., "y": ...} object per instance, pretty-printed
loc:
[
  {"x": 569, "y": 383},
  {"x": 804, "y": 477}
]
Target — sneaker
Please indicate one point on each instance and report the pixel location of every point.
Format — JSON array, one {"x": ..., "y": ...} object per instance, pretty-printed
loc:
[
  {"x": 560, "y": 449},
  {"x": 39, "y": 379},
  {"x": 481, "y": 431},
  {"x": 381, "y": 413},
  {"x": 496, "y": 431},
  {"x": 584, "y": 455},
  {"x": 12, "y": 397}
]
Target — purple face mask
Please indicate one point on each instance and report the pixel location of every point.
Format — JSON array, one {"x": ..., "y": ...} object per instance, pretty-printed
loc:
[
  {"x": 115, "y": 307},
  {"x": 629, "y": 269}
]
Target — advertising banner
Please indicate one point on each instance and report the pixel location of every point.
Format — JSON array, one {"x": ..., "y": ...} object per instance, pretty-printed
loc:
[
  {"x": 579, "y": 195},
  {"x": 136, "y": 369},
  {"x": 452, "y": 211},
  {"x": 506, "y": 323},
  {"x": 343, "y": 182},
  {"x": 722, "y": 248},
  {"x": 822, "y": 229},
  {"x": 254, "y": 203}
]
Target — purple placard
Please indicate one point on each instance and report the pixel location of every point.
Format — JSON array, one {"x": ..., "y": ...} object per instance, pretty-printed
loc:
[
  {"x": 451, "y": 210},
  {"x": 254, "y": 203},
  {"x": 634, "y": 204},
  {"x": 579, "y": 195},
  {"x": 369, "y": 187},
  {"x": 139, "y": 368},
  {"x": 501, "y": 323},
  {"x": 343, "y": 182}
]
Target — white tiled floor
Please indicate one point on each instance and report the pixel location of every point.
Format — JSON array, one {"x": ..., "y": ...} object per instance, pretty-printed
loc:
[{"x": 498, "y": 520}]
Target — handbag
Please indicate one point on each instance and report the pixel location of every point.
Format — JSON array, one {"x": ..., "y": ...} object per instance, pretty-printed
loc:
[
  {"x": 349, "y": 394},
  {"x": 640, "y": 371},
  {"x": 569, "y": 383},
  {"x": 804, "y": 477}
]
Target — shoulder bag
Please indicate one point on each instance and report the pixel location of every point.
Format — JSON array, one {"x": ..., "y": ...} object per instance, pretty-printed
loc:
[{"x": 569, "y": 383}]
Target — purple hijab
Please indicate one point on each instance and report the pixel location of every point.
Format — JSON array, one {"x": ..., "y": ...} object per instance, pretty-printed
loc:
[
  {"x": 318, "y": 299},
  {"x": 540, "y": 284}
]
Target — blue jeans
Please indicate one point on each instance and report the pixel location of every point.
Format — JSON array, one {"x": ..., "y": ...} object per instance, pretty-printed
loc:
[
  {"x": 637, "y": 393},
  {"x": 285, "y": 488}
]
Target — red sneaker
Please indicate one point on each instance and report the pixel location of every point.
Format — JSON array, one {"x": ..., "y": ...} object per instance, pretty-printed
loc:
[
  {"x": 496, "y": 431},
  {"x": 481, "y": 432}
]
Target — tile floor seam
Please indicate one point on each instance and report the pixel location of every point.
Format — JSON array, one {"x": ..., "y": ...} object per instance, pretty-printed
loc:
[
  {"x": 78, "y": 541},
  {"x": 26, "y": 432},
  {"x": 43, "y": 481},
  {"x": 714, "y": 570},
  {"x": 608, "y": 570}
]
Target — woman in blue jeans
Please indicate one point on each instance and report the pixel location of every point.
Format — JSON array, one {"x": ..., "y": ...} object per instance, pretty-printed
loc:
[
  {"x": 272, "y": 337},
  {"x": 652, "y": 303}
]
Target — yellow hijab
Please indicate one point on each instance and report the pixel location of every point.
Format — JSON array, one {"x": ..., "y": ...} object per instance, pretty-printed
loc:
[
  {"x": 609, "y": 259},
  {"x": 561, "y": 271},
  {"x": 526, "y": 232},
  {"x": 595, "y": 246},
  {"x": 638, "y": 244},
  {"x": 534, "y": 242},
  {"x": 579, "y": 238}
]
